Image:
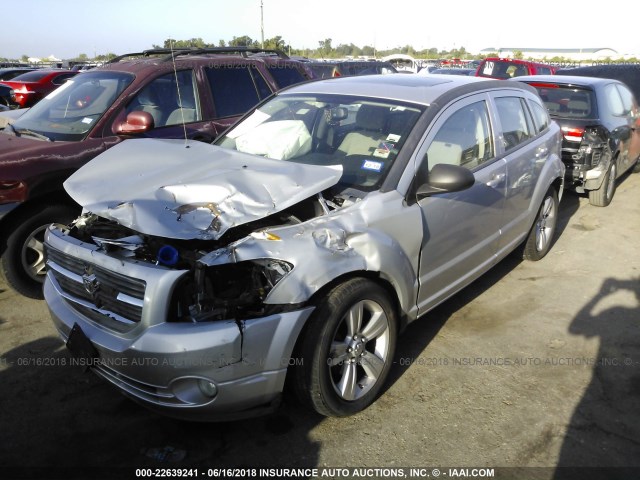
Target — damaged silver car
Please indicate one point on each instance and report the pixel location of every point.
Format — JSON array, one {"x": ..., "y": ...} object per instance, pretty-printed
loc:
[{"x": 200, "y": 279}]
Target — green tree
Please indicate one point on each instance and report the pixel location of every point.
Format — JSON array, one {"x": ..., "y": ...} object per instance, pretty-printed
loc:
[
  {"x": 106, "y": 57},
  {"x": 243, "y": 41},
  {"x": 275, "y": 43},
  {"x": 368, "y": 51},
  {"x": 408, "y": 50},
  {"x": 344, "y": 50},
  {"x": 24, "y": 58},
  {"x": 325, "y": 48}
]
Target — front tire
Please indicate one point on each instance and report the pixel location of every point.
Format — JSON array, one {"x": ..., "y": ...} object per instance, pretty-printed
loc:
[
  {"x": 543, "y": 230},
  {"x": 602, "y": 197},
  {"x": 22, "y": 263},
  {"x": 347, "y": 349}
]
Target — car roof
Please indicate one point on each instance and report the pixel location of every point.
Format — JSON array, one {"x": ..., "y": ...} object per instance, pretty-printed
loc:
[
  {"x": 565, "y": 80},
  {"x": 44, "y": 72},
  {"x": 155, "y": 63},
  {"x": 421, "y": 89},
  {"x": 13, "y": 69}
]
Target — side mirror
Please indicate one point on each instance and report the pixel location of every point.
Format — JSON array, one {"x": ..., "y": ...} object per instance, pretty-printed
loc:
[
  {"x": 445, "y": 178},
  {"x": 136, "y": 122}
]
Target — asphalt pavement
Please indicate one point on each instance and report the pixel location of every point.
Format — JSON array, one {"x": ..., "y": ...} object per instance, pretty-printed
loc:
[{"x": 534, "y": 365}]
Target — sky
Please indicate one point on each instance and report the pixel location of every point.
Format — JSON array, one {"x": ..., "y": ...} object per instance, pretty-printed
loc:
[{"x": 67, "y": 28}]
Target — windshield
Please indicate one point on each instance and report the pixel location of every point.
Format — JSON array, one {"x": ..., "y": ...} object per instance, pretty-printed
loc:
[
  {"x": 568, "y": 101},
  {"x": 363, "y": 136},
  {"x": 70, "y": 111},
  {"x": 503, "y": 69}
]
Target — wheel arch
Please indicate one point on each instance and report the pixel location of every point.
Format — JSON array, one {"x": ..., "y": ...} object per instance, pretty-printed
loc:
[
  {"x": 325, "y": 289},
  {"x": 298, "y": 360},
  {"x": 375, "y": 277},
  {"x": 27, "y": 207}
]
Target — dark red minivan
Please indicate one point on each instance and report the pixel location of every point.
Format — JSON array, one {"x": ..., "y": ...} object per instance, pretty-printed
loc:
[{"x": 158, "y": 93}]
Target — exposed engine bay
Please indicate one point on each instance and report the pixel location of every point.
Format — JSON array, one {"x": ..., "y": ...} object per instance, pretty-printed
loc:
[{"x": 233, "y": 290}]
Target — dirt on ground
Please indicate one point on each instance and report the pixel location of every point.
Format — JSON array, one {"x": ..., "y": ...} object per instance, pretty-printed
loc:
[{"x": 534, "y": 365}]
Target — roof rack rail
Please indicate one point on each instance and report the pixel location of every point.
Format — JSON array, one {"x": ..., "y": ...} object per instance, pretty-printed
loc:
[
  {"x": 172, "y": 53},
  {"x": 244, "y": 51},
  {"x": 150, "y": 52}
]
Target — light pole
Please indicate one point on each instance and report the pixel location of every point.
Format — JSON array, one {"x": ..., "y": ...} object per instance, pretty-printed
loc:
[{"x": 262, "y": 22}]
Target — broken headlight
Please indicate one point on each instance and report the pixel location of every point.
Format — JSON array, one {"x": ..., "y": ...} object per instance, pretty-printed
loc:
[{"x": 230, "y": 291}]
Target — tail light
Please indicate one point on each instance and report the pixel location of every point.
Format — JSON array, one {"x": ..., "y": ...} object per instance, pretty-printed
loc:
[{"x": 572, "y": 134}]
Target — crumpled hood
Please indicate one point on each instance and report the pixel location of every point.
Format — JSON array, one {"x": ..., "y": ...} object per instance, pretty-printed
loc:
[{"x": 188, "y": 190}]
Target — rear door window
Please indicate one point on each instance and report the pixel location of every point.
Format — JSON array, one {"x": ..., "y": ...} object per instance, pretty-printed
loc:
[
  {"x": 540, "y": 116},
  {"x": 613, "y": 100},
  {"x": 464, "y": 139},
  {"x": 235, "y": 88},
  {"x": 285, "y": 74},
  {"x": 627, "y": 99},
  {"x": 513, "y": 120}
]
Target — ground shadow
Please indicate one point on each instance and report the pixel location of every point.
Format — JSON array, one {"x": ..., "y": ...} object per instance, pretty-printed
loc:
[
  {"x": 419, "y": 334},
  {"x": 569, "y": 205},
  {"x": 603, "y": 437},
  {"x": 66, "y": 423}
]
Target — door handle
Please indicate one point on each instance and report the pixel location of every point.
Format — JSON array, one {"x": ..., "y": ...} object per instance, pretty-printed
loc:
[{"x": 496, "y": 180}]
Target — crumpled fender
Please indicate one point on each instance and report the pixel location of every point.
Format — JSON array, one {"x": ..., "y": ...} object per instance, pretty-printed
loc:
[{"x": 328, "y": 247}]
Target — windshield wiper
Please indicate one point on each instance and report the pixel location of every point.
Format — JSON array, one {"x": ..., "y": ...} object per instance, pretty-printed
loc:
[
  {"x": 26, "y": 131},
  {"x": 13, "y": 130}
]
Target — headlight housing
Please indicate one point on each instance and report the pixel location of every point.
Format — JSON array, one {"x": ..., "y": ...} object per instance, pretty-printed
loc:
[{"x": 230, "y": 291}]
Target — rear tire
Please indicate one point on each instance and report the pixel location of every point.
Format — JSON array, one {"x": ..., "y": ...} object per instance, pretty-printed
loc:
[
  {"x": 22, "y": 263},
  {"x": 602, "y": 197},
  {"x": 541, "y": 235},
  {"x": 347, "y": 349}
]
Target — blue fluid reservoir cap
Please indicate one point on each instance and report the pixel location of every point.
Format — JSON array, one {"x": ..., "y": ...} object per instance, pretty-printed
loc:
[{"x": 168, "y": 255}]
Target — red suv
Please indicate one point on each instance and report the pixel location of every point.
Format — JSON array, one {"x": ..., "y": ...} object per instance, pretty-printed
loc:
[
  {"x": 504, "y": 68},
  {"x": 156, "y": 93}
]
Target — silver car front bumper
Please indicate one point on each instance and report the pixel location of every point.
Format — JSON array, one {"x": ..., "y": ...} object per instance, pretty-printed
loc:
[{"x": 218, "y": 370}]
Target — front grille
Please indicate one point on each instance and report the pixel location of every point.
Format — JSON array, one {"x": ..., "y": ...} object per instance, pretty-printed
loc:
[{"x": 91, "y": 285}]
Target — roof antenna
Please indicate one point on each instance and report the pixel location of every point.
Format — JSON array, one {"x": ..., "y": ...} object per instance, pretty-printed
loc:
[{"x": 175, "y": 73}]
